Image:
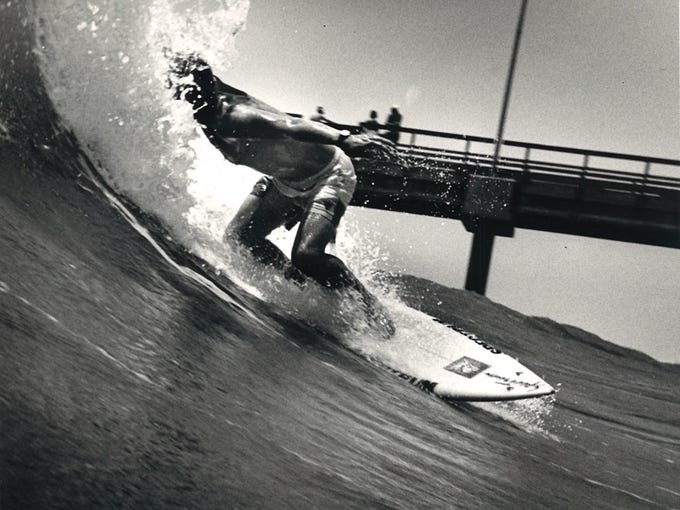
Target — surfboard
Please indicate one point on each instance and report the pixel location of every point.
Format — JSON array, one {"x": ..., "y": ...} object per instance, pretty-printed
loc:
[{"x": 459, "y": 366}]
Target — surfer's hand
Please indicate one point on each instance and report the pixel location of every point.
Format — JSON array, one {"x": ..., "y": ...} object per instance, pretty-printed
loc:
[
  {"x": 193, "y": 81},
  {"x": 369, "y": 146}
]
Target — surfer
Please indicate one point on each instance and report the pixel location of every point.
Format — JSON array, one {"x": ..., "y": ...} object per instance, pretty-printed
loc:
[{"x": 309, "y": 176}]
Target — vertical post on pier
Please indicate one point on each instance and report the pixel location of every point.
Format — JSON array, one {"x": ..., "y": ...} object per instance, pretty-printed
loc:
[
  {"x": 508, "y": 84},
  {"x": 480, "y": 261},
  {"x": 482, "y": 240}
]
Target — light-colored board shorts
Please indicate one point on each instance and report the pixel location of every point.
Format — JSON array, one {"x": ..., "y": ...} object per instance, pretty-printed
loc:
[{"x": 327, "y": 193}]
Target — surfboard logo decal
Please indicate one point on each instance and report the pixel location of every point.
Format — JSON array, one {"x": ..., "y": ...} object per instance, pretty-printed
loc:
[
  {"x": 467, "y": 367},
  {"x": 511, "y": 383}
]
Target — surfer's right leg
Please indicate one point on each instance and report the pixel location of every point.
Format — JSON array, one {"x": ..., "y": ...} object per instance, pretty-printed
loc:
[
  {"x": 325, "y": 209},
  {"x": 317, "y": 229}
]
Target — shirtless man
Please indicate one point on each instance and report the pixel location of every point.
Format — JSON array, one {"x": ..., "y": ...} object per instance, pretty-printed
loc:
[{"x": 309, "y": 176}]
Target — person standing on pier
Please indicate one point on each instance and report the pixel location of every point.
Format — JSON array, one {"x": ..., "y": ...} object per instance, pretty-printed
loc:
[
  {"x": 393, "y": 124},
  {"x": 320, "y": 116},
  {"x": 371, "y": 125}
]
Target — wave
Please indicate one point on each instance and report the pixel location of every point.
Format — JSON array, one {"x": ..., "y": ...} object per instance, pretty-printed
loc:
[{"x": 143, "y": 365}]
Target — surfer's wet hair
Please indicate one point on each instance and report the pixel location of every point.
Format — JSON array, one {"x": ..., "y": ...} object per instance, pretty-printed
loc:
[{"x": 182, "y": 64}]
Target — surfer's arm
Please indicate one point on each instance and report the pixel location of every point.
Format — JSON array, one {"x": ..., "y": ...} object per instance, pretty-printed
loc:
[{"x": 244, "y": 122}]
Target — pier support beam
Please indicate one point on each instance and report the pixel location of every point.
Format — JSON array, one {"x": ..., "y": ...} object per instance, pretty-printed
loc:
[{"x": 480, "y": 261}]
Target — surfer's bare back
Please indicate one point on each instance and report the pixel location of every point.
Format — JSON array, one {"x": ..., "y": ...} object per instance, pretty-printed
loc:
[{"x": 309, "y": 176}]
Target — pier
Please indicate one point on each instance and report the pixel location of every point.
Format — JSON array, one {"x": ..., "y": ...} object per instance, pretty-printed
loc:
[{"x": 622, "y": 197}]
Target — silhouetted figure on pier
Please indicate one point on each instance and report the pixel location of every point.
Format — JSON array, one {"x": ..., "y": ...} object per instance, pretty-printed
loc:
[
  {"x": 320, "y": 116},
  {"x": 393, "y": 124},
  {"x": 371, "y": 125}
]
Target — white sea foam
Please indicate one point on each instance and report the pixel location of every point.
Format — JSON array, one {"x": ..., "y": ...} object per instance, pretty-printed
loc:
[{"x": 105, "y": 65}]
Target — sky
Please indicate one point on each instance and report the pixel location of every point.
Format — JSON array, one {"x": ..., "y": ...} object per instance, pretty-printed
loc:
[{"x": 596, "y": 74}]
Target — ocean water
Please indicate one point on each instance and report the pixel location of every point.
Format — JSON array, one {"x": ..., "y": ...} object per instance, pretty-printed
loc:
[{"x": 142, "y": 365}]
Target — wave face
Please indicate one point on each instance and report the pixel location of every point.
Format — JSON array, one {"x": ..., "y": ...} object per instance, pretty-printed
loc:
[{"x": 143, "y": 366}]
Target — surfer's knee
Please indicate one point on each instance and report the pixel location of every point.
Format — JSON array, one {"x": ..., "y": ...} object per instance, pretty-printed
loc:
[
  {"x": 237, "y": 239},
  {"x": 238, "y": 235},
  {"x": 306, "y": 257}
]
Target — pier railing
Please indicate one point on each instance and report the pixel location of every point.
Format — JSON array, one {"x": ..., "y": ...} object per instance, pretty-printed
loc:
[
  {"x": 547, "y": 160},
  {"x": 534, "y": 157}
]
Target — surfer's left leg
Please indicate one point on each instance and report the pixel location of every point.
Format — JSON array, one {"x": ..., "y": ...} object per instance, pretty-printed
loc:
[{"x": 316, "y": 231}]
